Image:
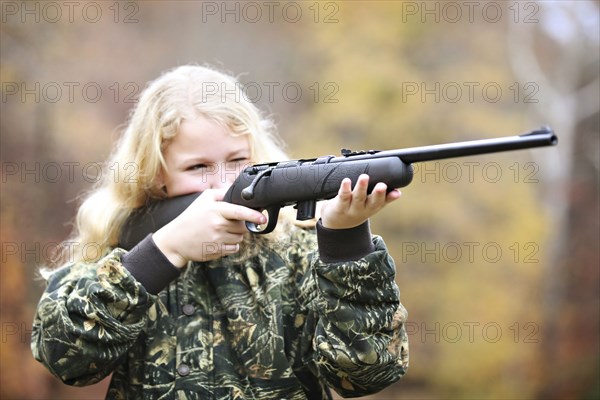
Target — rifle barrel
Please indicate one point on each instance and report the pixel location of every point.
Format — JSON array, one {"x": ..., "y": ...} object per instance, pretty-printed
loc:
[{"x": 537, "y": 138}]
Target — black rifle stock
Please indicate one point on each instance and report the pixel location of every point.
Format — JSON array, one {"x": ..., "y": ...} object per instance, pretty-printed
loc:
[{"x": 302, "y": 183}]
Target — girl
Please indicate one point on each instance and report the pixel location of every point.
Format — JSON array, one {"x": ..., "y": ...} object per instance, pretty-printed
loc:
[{"x": 200, "y": 308}]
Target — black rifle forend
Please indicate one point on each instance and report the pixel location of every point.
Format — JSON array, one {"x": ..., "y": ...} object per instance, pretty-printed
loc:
[{"x": 302, "y": 183}]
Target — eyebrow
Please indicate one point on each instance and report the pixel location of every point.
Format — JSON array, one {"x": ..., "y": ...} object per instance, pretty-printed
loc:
[
  {"x": 205, "y": 160},
  {"x": 238, "y": 152}
]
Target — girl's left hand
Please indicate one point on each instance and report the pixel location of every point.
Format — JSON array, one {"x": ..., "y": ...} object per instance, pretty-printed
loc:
[{"x": 351, "y": 208}]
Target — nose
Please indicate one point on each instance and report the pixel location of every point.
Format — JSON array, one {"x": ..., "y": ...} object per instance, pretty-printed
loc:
[
  {"x": 220, "y": 180},
  {"x": 219, "y": 184},
  {"x": 214, "y": 181}
]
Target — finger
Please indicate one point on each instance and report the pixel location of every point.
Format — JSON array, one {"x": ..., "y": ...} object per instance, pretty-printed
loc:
[
  {"x": 393, "y": 196},
  {"x": 235, "y": 227},
  {"x": 231, "y": 237},
  {"x": 218, "y": 251},
  {"x": 230, "y": 248},
  {"x": 345, "y": 192},
  {"x": 236, "y": 212},
  {"x": 380, "y": 188},
  {"x": 378, "y": 196},
  {"x": 215, "y": 246},
  {"x": 359, "y": 194}
]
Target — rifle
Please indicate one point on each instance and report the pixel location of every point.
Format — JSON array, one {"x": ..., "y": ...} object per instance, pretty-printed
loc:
[{"x": 303, "y": 182}]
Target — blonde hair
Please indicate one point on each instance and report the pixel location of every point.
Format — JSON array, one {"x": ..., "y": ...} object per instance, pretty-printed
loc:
[{"x": 185, "y": 92}]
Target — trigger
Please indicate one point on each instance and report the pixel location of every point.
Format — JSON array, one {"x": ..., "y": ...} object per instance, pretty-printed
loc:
[{"x": 271, "y": 223}]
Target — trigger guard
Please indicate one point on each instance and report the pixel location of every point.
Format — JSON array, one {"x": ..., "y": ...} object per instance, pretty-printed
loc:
[
  {"x": 271, "y": 223},
  {"x": 252, "y": 227}
]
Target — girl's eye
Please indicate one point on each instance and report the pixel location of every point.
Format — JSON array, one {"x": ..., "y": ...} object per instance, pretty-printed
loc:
[{"x": 197, "y": 167}]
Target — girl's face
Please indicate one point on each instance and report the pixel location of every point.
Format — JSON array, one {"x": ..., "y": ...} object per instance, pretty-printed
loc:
[{"x": 203, "y": 155}]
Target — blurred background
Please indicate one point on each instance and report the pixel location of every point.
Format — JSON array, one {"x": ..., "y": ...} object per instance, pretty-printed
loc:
[{"x": 497, "y": 255}]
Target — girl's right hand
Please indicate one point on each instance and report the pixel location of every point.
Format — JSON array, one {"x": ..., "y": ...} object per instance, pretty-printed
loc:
[{"x": 208, "y": 229}]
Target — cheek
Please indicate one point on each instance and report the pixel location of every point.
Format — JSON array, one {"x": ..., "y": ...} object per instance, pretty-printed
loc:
[
  {"x": 185, "y": 184},
  {"x": 230, "y": 177},
  {"x": 233, "y": 171}
]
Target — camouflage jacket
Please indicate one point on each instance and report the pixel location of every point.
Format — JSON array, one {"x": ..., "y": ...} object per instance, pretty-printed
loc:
[{"x": 281, "y": 325}]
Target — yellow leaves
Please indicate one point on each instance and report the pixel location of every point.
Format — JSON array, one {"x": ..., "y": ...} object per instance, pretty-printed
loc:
[
  {"x": 471, "y": 222},
  {"x": 163, "y": 349},
  {"x": 110, "y": 271},
  {"x": 299, "y": 320},
  {"x": 252, "y": 277},
  {"x": 368, "y": 357},
  {"x": 325, "y": 347},
  {"x": 241, "y": 330},
  {"x": 260, "y": 371},
  {"x": 152, "y": 314},
  {"x": 89, "y": 324},
  {"x": 345, "y": 383}
]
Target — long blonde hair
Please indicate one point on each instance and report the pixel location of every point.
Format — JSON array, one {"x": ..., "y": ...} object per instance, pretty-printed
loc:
[{"x": 185, "y": 92}]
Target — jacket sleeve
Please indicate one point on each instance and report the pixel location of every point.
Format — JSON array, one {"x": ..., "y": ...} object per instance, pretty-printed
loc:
[
  {"x": 87, "y": 319},
  {"x": 359, "y": 341}
]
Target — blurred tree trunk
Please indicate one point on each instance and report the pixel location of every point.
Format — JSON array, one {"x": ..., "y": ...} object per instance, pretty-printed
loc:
[{"x": 566, "y": 70}]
